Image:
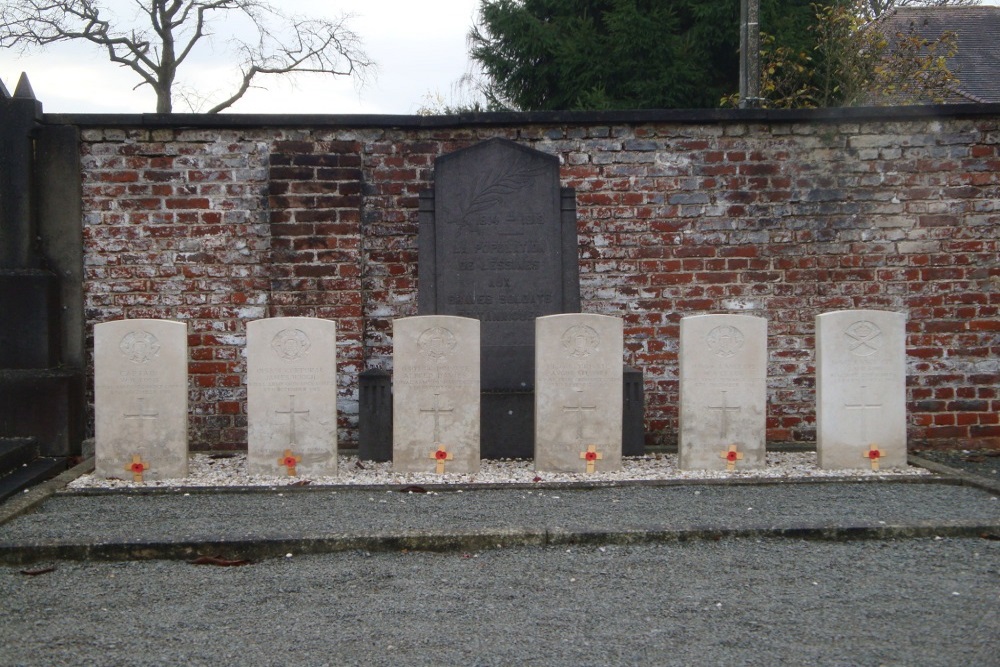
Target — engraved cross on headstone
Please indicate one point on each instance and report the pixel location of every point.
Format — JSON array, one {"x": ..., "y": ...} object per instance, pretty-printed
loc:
[
  {"x": 437, "y": 410},
  {"x": 291, "y": 412},
  {"x": 724, "y": 411},
  {"x": 863, "y": 406},
  {"x": 141, "y": 414},
  {"x": 579, "y": 408}
]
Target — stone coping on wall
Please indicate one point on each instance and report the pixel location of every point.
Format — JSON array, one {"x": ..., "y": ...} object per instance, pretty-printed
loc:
[{"x": 628, "y": 117}]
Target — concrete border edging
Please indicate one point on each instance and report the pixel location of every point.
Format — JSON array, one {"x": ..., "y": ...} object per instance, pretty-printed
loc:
[
  {"x": 278, "y": 547},
  {"x": 966, "y": 478}
]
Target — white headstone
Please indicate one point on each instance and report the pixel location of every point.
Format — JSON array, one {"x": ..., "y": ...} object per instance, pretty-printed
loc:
[
  {"x": 723, "y": 392},
  {"x": 435, "y": 394},
  {"x": 578, "y": 393},
  {"x": 141, "y": 400},
  {"x": 861, "y": 389},
  {"x": 292, "y": 397}
]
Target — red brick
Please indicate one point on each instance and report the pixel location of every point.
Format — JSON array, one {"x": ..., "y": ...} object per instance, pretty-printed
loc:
[{"x": 160, "y": 247}]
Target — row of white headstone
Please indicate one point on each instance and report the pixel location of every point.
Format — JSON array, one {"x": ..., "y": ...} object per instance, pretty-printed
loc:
[{"x": 141, "y": 394}]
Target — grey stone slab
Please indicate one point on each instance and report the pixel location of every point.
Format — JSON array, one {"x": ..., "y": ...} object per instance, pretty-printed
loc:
[
  {"x": 578, "y": 393},
  {"x": 141, "y": 399},
  {"x": 498, "y": 243},
  {"x": 723, "y": 392},
  {"x": 861, "y": 389},
  {"x": 436, "y": 388},
  {"x": 292, "y": 396}
]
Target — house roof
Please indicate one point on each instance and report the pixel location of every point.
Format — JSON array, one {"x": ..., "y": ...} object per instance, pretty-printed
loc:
[{"x": 977, "y": 62}]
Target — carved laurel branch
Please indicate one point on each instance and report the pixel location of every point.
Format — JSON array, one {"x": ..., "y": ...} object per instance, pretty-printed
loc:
[{"x": 489, "y": 187}]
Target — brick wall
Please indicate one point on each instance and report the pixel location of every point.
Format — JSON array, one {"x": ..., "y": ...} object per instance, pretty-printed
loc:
[{"x": 782, "y": 217}]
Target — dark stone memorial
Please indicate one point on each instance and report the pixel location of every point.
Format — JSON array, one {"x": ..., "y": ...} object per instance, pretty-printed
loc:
[{"x": 498, "y": 243}]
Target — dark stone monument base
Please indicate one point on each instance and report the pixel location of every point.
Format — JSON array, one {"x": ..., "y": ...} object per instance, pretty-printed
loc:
[
  {"x": 43, "y": 404},
  {"x": 29, "y": 330},
  {"x": 507, "y": 425},
  {"x": 633, "y": 413},
  {"x": 375, "y": 415},
  {"x": 507, "y": 419}
]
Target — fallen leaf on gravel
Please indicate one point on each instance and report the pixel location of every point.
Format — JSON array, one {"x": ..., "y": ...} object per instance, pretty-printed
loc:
[
  {"x": 359, "y": 465},
  {"x": 413, "y": 489},
  {"x": 35, "y": 573},
  {"x": 301, "y": 482},
  {"x": 218, "y": 560},
  {"x": 537, "y": 479}
]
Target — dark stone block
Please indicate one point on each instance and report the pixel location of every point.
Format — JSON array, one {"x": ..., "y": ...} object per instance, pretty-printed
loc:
[
  {"x": 507, "y": 425},
  {"x": 633, "y": 413},
  {"x": 29, "y": 326},
  {"x": 375, "y": 415},
  {"x": 16, "y": 453},
  {"x": 39, "y": 470},
  {"x": 45, "y": 405}
]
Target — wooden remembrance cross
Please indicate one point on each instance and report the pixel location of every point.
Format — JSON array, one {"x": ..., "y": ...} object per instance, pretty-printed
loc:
[
  {"x": 439, "y": 455},
  {"x": 591, "y": 455}
]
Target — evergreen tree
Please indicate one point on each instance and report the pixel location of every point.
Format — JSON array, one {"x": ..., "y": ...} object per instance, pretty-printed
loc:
[{"x": 618, "y": 54}]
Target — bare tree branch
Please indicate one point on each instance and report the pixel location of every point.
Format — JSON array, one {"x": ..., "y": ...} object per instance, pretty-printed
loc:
[{"x": 170, "y": 30}]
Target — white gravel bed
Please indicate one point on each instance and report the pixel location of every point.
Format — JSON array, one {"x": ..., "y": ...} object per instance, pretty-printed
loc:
[{"x": 231, "y": 470}]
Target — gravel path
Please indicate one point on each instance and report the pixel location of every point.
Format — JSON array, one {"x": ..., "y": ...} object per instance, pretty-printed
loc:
[
  {"x": 315, "y": 512},
  {"x": 745, "y": 602}
]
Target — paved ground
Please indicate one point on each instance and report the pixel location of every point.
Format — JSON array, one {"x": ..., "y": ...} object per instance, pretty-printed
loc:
[
  {"x": 892, "y": 573},
  {"x": 731, "y": 602}
]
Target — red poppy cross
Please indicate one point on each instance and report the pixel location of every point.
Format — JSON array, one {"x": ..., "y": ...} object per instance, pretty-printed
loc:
[
  {"x": 591, "y": 456},
  {"x": 290, "y": 460},
  {"x": 137, "y": 467},
  {"x": 731, "y": 455},
  {"x": 441, "y": 456},
  {"x": 873, "y": 454}
]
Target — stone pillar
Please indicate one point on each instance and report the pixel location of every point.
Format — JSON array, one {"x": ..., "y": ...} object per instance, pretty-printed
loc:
[
  {"x": 18, "y": 117},
  {"x": 41, "y": 272}
]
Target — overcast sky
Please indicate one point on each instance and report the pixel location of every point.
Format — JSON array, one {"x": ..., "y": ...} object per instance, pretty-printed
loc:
[{"x": 419, "y": 46}]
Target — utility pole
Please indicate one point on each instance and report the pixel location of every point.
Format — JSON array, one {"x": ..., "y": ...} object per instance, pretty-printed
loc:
[{"x": 749, "y": 54}]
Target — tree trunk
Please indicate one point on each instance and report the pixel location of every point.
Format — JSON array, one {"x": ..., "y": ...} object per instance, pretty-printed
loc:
[{"x": 163, "y": 104}]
